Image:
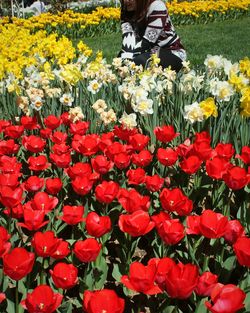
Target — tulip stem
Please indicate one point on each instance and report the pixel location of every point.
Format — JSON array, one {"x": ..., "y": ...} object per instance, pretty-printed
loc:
[{"x": 17, "y": 298}]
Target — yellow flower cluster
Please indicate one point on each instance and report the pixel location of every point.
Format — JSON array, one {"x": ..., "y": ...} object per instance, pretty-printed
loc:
[
  {"x": 100, "y": 15},
  {"x": 67, "y": 18},
  {"x": 19, "y": 49},
  {"x": 196, "y": 8}
]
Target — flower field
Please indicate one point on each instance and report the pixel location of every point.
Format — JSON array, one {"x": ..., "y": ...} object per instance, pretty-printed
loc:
[{"x": 122, "y": 189}]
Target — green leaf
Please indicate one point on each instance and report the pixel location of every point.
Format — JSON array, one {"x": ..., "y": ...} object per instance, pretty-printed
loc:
[
  {"x": 66, "y": 307},
  {"x": 116, "y": 274}
]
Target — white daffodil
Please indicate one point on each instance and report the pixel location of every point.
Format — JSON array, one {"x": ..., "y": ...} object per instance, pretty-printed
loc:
[
  {"x": 67, "y": 99},
  {"x": 144, "y": 107},
  {"x": 36, "y": 103},
  {"x": 193, "y": 113},
  {"x": 128, "y": 120},
  {"x": 222, "y": 90},
  {"x": 94, "y": 86},
  {"x": 99, "y": 106}
]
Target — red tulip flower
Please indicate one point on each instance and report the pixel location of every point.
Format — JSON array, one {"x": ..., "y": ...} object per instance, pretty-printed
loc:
[
  {"x": 136, "y": 177},
  {"x": 234, "y": 231},
  {"x": 72, "y": 215},
  {"x": 45, "y": 244},
  {"x": 96, "y": 225},
  {"x": 64, "y": 275},
  {"x": 206, "y": 283},
  {"x": 106, "y": 191},
  {"x": 171, "y": 231},
  {"x": 236, "y": 178},
  {"x": 33, "y": 219},
  {"x": 87, "y": 250},
  {"x": 154, "y": 183},
  {"x": 136, "y": 224},
  {"x": 38, "y": 163},
  {"x": 165, "y": 133},
  {"x": 212, "y": 224},
  {"x": 53, "y": 185},
  {"x": 225, "y": 150},
  {"x": 104, "y": 300},
  {"x": 242, "y": 251},
  {"x": 34, "y": 184},
  {"x": 217, "y": 167},
  {"x": 131, "y": 200},
  {"x": 142, "y": 159},
  {"x": 181, "y": 280},
  {"x": 167, "y": 157},
  {"x": 42, "y": 299},
  {"x": 82, "y": 185},
  {"x": 52, "y": 122},
  {"x": 101, "y": 164},
  {"x": 11, "y": 198},
  {"x": 18, "y": 263},
  {"x": 61, "y": 251},
  {"x": 139, "y": 141},
  {"x": 33, "y": 143},
  {"x": 141, "y": 278},
  {"x": 14, "y": 131},
  {"x": 226, "y": 299},
  {"x": 191, "y": 164}
]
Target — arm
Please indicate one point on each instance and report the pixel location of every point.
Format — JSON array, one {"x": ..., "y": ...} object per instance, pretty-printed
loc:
[{"x": 157, "y": 16}]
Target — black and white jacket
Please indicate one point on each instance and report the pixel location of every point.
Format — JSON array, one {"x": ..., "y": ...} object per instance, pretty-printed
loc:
[{"x": 157, "y": 32}]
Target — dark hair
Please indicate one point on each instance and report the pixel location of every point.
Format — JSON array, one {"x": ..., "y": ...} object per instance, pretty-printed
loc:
[{"x": 141, "y": 10}]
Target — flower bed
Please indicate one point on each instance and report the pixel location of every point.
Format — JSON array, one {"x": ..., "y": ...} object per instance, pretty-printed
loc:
[
  {"x": 106, "y": 20},
  {"x": 107, "y": 222}
]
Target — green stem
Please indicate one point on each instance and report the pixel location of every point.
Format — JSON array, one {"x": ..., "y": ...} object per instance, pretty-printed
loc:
[
  {"x": 16, "y": 299},
  {"x": 42, "y": 273}
]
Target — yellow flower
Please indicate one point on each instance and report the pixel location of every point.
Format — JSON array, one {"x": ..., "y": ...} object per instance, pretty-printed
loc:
[{"x": 208, "y": 107}]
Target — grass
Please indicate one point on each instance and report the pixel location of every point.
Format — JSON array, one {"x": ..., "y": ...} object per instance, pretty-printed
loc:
[{"x": 229, "y": 38}]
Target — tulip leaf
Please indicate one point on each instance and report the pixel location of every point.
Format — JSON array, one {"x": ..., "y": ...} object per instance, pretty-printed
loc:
[
  {"x": 229, "y": 264},
  {"x": 116, "y": 273},
  {"x": 66, "y": 307}
]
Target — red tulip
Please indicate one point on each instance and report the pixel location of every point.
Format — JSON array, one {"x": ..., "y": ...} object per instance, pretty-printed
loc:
[
  {"x": 79, "y": 128},
  {"x": 136, "y": 177},
  {"x": 96, "y": 225},
  {"x": 79, "y": 170},
  {"x": 53, "y": 185},
  {"x": 191, "y": 164},
  {"x": 64, "y": 275},
  {"x": 163, "y": 267},
  {"x": 42, "y": 201},
  {"x": 234, "y": 231},
  {"x": 203, "y": 150},
  {"x": 11, "y": 198},
  {"x": 173, "y": 200},
  {"x": 106, "y": 191},
  {"x": 167, "y": 157},
  {"x": 45, "y": 244},
  {"x": 154, "y": 183},
  {"x": 245, "y": 155},
  {"x": 82, "y": 185},
  {"x": 226, "y": 299},
  {"x": 131, "y": 200},
  {"x": 33, "y": 143},
  {"x": 2, "y": 297},
  {"x": 217, "y": 167},
  {"x": 45, "y": 133},
  {"x": 141, "y": 278},
  {"x": 14, "y": 131},
  {"x": 34, "y": 183},
  {"x": 9, "y": 180},
  {"x": 72, "y": 215},
  {"x": 61, "y": 251},
  {"x": 181, "y": 280},
  {"x": 18, "y": 263},
  {"x": 142, "y": 159},
  {"x": 101, "y": 164},
  {"x": 101, "y": 301},
  {"x": 236, "y": 178},
  {"x": 33, "y": 219},
  {"x": 8, "y": 147},
  {"x": 165, "y": 133},
  {"x": 171, "y": 231},
  {"x": 136, "y": 224},
  {"x": 59, "y": 137},
  {"x": 213, "y": 225},
  {"x": 38, "y": 163},
  {"x": 139, "y": 141},
  {"x": 87, "y": 250},
  {"x": 123, "y": 132},
  {"x": 29, "y": 122},
  {"x": 52, "y": 122},
  {"x": 62, "y": 160},
  {"x": 193, "y": 225},
  {"x": 242, "y": 251},
  {"x": 206, "y": 283},
  {"x": 225, "y": 150},
  {"x": 88, "y": 145},
  {"x": 122, "y": 160},
  {"x": 42, "y": 299}
]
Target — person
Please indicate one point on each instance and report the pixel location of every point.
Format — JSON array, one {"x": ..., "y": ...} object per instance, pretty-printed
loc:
[
  {"x": 38, "y": 7},
  {"x": 147, "y": 29}
]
